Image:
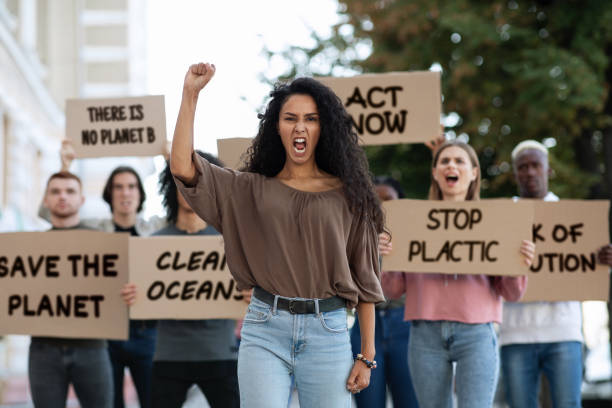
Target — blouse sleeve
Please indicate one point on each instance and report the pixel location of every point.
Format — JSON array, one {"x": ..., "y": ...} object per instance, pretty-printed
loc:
[
  {"x": 509, "y": 287},
  {"x": 212, "y": 188},
  {"x": 363, "y": 262}
]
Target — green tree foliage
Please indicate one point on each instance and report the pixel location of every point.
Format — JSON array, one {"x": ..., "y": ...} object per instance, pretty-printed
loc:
[{"x": 511, "y": 70}]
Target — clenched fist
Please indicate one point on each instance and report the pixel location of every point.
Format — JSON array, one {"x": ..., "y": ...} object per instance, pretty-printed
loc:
[{"x": 197, "y": 77}]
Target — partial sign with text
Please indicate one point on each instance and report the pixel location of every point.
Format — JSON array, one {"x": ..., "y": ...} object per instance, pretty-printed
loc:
[
  {"x": 134, "y": 126},
  {"x": 64, "y": 284},
  {"x": 567, "y": 235},
  {"x": 392, "y": 108},
  {"x": 183, "y": 277},
  {"x": 468, "y": 237}
]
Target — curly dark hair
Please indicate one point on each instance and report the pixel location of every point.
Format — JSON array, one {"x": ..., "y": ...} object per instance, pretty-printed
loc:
[
  {"x": 107, "y": 193},
  {"x": 337, "y": 151},
  {"x": 168, "y": 190}
]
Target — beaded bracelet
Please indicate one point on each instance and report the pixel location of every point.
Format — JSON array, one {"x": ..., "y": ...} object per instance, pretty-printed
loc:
[{"x": 368, "y": 363}]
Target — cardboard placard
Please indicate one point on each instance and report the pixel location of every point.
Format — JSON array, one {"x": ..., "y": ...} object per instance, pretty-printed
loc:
[
  {"x": 231, "y": 150},
  {"x": 567, "y": 235},
  {"x": 183, "y": 277},
  {"x": 134, "y": 126},
  {"x": 468, "y": 237},
  {"x": 392, "y": 108},
  {"x": 64, "y": 284}
]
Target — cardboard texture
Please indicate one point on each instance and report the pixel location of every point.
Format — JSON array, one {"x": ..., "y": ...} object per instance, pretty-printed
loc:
[
  {"x": 64, "y": 284},
  {"x": 183, "y": 278},
  {"x": 231, "y": 151},
  {"x": 469, "y": 237},
  {"x": 391, "y": 108},
  {"x": 567, "y": 235},
  {"x": 134, "y": 126}
]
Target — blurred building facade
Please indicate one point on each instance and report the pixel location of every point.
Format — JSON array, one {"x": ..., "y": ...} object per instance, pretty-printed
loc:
[{"x": 51, "y": 50}]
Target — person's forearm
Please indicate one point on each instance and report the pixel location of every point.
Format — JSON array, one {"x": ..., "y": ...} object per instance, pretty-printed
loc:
[
  {"x": 181, "y": 163},
  {"x": 365, "y": 314},
  {"x": 65, "y": 165}
]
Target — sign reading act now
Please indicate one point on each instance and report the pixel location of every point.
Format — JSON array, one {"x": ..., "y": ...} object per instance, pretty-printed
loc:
[{"x": 391, "y": 108}]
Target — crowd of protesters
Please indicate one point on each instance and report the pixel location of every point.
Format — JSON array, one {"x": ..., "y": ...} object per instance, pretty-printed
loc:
[{"x": 304, "y": 231}]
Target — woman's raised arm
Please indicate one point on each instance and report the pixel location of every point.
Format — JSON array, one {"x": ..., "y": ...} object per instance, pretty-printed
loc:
[{"x": 181, "y": 164}]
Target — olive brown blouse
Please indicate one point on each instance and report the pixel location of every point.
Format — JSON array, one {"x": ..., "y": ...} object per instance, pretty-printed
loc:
[{"x": 289, "y": 242}]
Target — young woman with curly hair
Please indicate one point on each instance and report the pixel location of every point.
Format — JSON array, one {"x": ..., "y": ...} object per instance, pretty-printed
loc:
[{"x": 300, "y": 225}]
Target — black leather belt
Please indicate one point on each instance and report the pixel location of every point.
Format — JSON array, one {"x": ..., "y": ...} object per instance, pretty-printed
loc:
[{"x": 300, "y": 306}]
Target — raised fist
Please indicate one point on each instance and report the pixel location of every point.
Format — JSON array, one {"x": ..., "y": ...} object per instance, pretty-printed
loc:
[{"x": 197, "y": 77}]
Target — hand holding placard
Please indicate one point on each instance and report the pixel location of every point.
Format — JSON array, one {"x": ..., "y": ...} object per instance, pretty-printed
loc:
[
  {"x": 604, "y": 255},
  {"x": 67, "y": 154},
  {"x": 468, "y": 237},
  {"x": 385, "y": 246},
  {"x": 129, "y": 293},
  {"x": 528, "y": 251}
]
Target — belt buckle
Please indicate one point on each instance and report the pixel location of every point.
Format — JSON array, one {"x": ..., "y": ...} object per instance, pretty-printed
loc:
[{"x": 291, "y": 310}]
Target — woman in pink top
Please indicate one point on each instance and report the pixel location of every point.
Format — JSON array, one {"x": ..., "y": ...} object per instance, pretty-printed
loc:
[{"x": 453, "y": 315}]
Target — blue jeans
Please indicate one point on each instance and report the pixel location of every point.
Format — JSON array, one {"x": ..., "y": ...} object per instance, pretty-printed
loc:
[
  {"x": 277, "y": 345},
  {"x": 391, "y": 341},
  {"x": 136, "y": 354},
  {"x": 561, "y": 363},
  {"x": 435, "y": 345},
  {"x": 52, "y": 368}
]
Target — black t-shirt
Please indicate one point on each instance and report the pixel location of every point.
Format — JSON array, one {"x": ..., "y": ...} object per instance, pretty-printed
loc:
[
  {"x": 136, "y": 324},
  {"x": 131, "y": 230}
]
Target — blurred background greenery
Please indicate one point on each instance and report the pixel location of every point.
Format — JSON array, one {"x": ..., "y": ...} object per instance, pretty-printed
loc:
[{"x": 511, "y": 70}]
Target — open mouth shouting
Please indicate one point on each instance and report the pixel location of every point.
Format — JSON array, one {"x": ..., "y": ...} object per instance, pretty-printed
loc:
[
  {"x": 452, "y": 179},
  {"x": 299, "y": 146}
]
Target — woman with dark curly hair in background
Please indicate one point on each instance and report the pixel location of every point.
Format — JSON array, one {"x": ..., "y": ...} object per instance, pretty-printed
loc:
[{"x": 300, "y": 226}]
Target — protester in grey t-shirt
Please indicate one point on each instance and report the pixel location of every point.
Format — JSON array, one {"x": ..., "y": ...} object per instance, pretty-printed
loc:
[
  {"x": 201, "y": 352},
  {"x": 56, "y": 362}
]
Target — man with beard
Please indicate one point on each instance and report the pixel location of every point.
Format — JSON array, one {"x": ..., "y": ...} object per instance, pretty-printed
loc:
[
  {"x": 125, "y": 195},
  {"x": 54, "y": 363}
]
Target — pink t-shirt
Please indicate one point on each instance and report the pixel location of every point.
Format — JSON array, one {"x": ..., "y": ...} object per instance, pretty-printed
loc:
[{"x": 458, "y": 298}]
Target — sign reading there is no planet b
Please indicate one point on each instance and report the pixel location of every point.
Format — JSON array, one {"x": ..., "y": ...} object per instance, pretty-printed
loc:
[
  {"x": 392, "y": 108},
  {"x": 134, "y": 126}
]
